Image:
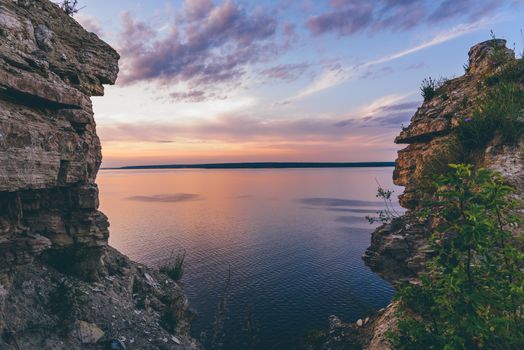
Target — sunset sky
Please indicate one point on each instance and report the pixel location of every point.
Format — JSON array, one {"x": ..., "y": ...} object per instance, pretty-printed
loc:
[{"x": 289, "y": 80}]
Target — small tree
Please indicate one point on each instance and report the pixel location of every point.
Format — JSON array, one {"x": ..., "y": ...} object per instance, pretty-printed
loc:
[
  {"x": 70, "y": 7},
  {"x": 472, "y": 296}
]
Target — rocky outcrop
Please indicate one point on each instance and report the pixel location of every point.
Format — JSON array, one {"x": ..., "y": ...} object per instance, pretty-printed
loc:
[
  {"x": 428, "y": 134},
  {"x": 49, "y": 150},
  {"x": 399, "y": 249},
  {"x": 55, "y": 263}
]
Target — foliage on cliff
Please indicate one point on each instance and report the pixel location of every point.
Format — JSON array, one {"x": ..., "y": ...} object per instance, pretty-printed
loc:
[
  {"x": 499, "y": 113},
  {"x": 472, "y": 296}
]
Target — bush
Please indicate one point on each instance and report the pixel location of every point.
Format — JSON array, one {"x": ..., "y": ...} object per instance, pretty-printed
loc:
[
  {"x": 429, "y": 87},
  {"x": 388, "y": 214},
  {"x": 499, "y": 112},
  {"x": 174, "y": 267},
  {"x": 472, "y": 296},
  {"x": 70, "y": 7},
  {"x": 512, "y": 72}
]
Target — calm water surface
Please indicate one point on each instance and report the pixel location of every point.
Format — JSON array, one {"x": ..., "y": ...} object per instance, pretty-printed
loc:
[{"x": 292, "y": 239}]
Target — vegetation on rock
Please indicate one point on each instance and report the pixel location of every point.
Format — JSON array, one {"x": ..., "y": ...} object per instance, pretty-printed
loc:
[
  {"x": 499, "y": 113},
  {"x": 388, "y": 214},
  {"x": 70, "y": 7},
  {"x": 429, "y": 88},
  {"x": 472, "y": 295},
  {"x": 174, "y": 267}
]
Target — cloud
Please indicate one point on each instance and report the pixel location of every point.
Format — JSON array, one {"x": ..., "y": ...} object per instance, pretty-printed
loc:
[
  {"x": 197, "y": 9},
  {"x": 415, "y": 66},
  {"x": 385, "y": 115},
  {"x": 349, "y": 17},
  {"x": 332, "y": 76},
  {"x": 90, "y": 24},
  {"x": 390, "y": 116},
  {"x": 286, "y": 72},
  {"x": 453, "y": 33},
  {"x": 194, "y": 96},
  {"x": 167, "y": 198},
  {"x": 339, "y": 74},
  {"x": 345, "y": 22},
  {"x": 404, "y": 106},
  {"x": 212, "y": 46}
]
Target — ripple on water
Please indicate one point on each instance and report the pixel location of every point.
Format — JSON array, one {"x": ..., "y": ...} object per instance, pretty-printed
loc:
[{"x": 293, "y": 240}]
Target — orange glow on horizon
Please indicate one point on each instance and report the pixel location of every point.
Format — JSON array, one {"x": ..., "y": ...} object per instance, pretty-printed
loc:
[{"x": 122, "y": 153}]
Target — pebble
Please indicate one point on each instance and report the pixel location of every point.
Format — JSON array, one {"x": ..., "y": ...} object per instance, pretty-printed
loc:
[{"x": 117, "y": 344}]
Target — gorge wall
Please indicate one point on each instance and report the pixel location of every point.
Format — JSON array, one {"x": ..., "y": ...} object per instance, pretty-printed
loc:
[
  {"x": 61, "y": 286},
  {"x": 399, "y": 249}
]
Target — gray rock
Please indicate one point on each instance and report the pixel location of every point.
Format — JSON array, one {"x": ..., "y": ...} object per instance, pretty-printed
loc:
[
  {"x": 117, "y": 344},
  {"x": 89, "y": 333},
  {"x": 53, "y": 239},
  {"x": 44, "y": 37}
]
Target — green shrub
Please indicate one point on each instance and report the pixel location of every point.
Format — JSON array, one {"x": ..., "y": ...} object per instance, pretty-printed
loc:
[
  {"x": 174, "y": 267},
  {"x": 429, "y": 88},
  {"x": 472, "y": 296},
  {"x": 499, "y": 112},
  {"x": 512, "y": 72}
]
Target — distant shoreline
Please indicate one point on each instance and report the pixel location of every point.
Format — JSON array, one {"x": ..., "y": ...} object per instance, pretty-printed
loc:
[{"x": 259, "y": 165}]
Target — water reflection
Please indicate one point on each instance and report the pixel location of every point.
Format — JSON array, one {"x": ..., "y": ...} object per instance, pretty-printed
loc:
[
  {"x": 294, "y": 254},
  {"x": 167, "y": 198}
]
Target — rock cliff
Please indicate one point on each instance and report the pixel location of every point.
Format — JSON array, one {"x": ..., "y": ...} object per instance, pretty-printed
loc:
[
  {"x": 61, "y": 286},
  {"x": 400, "y": 249}
]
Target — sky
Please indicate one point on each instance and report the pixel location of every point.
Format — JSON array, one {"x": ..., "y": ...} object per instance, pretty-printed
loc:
[{"x": 206, "y": 81}]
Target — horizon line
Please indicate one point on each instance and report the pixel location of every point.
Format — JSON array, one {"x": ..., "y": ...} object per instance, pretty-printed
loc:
[{"x": 257, "y": 165}]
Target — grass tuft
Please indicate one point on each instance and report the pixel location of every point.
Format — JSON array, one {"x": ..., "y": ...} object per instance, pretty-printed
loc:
[
  {"x": 174, "y": 266},
  {"x": 500, "y": 113}
]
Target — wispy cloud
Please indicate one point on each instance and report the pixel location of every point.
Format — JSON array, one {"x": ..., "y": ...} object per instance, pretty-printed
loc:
[
  {"x": 335, "y": 76},
  {"x": 385, "y": 113},
  {"x": 90, "y": 23},
  {"x": 348, "y": 17},
  {"x": 453, "y": 33},
  {"x": 287, "y": 72}
]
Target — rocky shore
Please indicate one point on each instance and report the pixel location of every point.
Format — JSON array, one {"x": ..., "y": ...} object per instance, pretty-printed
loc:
[
  {"x": 399, "y": 249},
  {"x": 61, "y": 285}
]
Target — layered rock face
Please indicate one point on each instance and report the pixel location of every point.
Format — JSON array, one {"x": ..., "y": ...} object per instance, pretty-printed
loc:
[
  {"x": 49, "y": 150},
  {"x": 398, "y": 250},
  {"x": 427, "y": 134},
  {"x": 61, "y": 286}
]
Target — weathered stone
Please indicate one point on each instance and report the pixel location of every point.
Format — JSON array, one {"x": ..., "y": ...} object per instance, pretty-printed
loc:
[
  {"x": 481, "y": 56},
  {"x": 89, "y": 333},
  {"x": 399, "y": 250},
  {"x": 49, "y": 149},
  {"x": 53, "y": 239},
  {"x": 44, "y": 36},
  {"x": 430, "y": 128}
]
